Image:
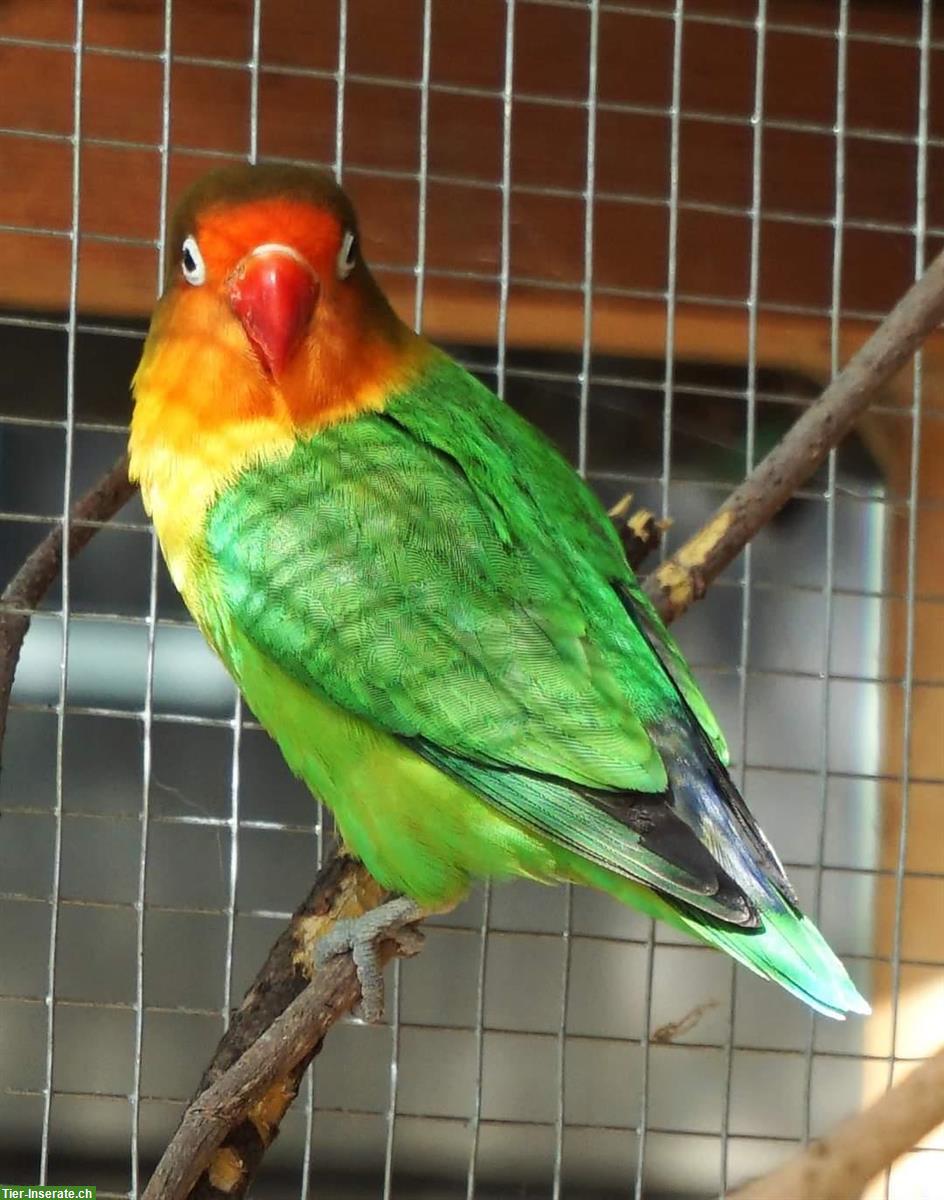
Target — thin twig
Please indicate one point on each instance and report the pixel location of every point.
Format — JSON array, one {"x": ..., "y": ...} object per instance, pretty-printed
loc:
[
  {"x": 839, "y": 1166},
  {"x": 253, "y": 1090},
  {"x": 342, "y": 889},
  {"x": 292, "y": 1038},
  {"x": 684, "y": 577},
  {"x": 37, "y": 574}
]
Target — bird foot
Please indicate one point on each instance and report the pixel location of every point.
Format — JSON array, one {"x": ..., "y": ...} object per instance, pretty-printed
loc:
[{"x": 362, "y": 936}]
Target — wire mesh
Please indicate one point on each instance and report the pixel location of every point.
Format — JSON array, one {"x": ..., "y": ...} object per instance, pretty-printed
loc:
[{"x": 153, "y": 843}]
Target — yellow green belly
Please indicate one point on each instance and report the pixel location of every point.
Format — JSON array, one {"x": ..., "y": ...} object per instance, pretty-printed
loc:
[{"x": 417, "y": 830}]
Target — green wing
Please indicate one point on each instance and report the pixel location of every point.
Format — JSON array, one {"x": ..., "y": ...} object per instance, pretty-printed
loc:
[
  {"x": 530, "y": 491},
  {"x": 439, "y": 571}
]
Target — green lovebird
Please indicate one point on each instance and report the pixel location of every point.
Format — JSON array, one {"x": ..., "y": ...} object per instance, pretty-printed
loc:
[{"x": 423, "y": 603}]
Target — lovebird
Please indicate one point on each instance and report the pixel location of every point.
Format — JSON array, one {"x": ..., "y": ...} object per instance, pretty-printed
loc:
[{"x": 424, "y": 604}]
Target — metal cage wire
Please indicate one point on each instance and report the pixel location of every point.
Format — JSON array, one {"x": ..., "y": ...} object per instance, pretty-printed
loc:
[{"x": 235, "y": 824}]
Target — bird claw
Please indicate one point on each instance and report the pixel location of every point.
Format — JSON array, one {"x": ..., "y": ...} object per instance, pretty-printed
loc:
[{"x": 361, "y": 937}]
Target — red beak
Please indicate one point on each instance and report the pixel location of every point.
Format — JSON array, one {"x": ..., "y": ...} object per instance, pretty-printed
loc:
[{"x": 273, "y": 292}]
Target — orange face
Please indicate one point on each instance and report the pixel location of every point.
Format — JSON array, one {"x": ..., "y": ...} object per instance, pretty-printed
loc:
[
  {"x": 271, "y": 259},
  {"x": 270, "y": 308}
]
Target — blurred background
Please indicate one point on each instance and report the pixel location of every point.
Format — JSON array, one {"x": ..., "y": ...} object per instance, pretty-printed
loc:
[{"x": 658, "y": 229}]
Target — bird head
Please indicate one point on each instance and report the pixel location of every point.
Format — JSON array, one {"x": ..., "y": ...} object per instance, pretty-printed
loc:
[
  {"x": 276, "y": 250},
  {"x": 268, "y": 310},
  {"x": 270, "y": 327}
]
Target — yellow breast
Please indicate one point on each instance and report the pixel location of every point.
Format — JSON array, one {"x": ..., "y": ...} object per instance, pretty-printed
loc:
[
  {"x": 200, "y": 419},
  {"x": 179, "y": 486}
]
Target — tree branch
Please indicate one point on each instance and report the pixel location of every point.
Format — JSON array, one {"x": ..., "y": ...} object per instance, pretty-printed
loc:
[
  {"x": 839, "y": 1166},
  {"x": 35, "y": 577},
  {"x": 273, "y": 1036},
  {"x": 684, "y": 577}
]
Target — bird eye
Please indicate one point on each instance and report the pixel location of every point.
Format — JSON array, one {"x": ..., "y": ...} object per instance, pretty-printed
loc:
[
  {"x": 347, "y": 255},
  {"x": 191, "y": 262}
]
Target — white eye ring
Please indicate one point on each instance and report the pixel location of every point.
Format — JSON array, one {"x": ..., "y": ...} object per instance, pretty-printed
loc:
[
  {"x": 347, "y": 255},
  {"x": 191, "y": 262}
]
